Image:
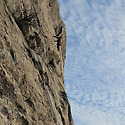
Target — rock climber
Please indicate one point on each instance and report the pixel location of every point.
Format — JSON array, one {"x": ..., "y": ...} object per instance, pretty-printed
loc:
[
  {"x": 59, "y": 41},
  {"x": 59, "y": 37}
]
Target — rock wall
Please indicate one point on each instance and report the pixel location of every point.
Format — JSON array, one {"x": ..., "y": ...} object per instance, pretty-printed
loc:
[{"x": 31, "y": 67}]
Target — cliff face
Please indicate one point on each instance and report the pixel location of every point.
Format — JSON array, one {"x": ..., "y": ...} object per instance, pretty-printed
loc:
[{"x": 31, "y": 67}]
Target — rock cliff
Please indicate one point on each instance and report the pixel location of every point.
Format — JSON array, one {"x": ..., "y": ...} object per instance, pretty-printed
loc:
[{"x": 31, "y": 67}]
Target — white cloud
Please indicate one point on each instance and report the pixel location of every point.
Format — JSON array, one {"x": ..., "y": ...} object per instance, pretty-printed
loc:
[{"x": 95, "y": 64}]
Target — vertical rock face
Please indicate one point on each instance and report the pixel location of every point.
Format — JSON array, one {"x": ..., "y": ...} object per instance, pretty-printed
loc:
[{"x": 31, "y": 67}]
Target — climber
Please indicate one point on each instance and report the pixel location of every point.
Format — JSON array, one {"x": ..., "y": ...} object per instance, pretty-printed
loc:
[
  {"x": 59, "y": 37},
  {"x": 59, "y": 41}
]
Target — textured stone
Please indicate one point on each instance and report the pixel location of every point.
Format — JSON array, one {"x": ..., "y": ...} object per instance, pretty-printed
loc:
[{"x": 31, "y": 68}]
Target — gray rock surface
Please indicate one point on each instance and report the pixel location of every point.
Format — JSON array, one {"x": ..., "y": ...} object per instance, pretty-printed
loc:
[{"x": 31, "y": 67}]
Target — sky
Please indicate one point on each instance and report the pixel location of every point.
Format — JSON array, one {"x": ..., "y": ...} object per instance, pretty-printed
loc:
[{"x": 95, "y": 60}]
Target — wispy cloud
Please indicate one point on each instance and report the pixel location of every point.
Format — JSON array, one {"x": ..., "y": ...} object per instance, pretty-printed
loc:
[{"x": 95, "y": 63}]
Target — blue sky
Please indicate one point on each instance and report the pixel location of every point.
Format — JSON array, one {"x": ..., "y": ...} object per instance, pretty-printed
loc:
[{"x": 95, "y": 60}]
